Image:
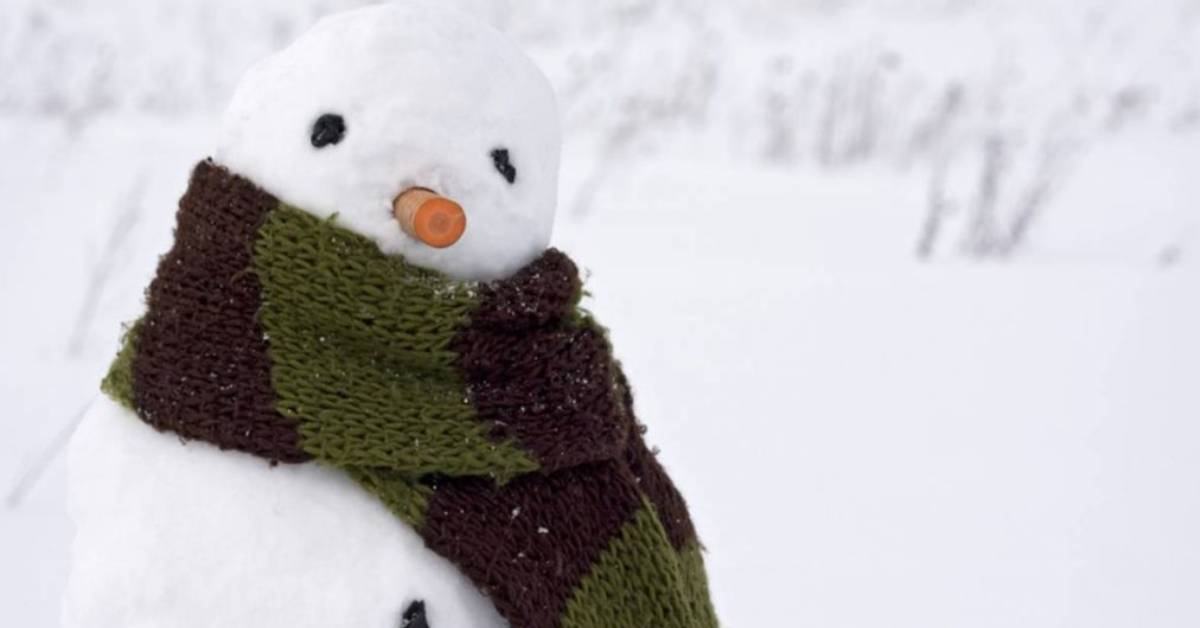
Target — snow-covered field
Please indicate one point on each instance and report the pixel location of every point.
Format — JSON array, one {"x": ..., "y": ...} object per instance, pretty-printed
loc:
[{"x": 909, "y": 290}]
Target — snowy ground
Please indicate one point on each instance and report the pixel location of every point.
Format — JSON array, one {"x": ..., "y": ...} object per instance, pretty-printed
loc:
[{"x": 997, "y": 434}]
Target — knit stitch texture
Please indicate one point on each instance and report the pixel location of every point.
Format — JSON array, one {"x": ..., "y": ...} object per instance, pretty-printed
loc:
[{"x": 490, "y": 417}]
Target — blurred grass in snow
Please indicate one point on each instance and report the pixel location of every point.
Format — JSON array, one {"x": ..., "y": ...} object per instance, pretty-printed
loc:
[
  {"x": 991, "y": 103},
  {"x": 1038, "y": 410}
]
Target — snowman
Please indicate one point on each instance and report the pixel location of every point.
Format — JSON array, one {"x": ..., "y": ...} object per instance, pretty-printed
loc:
[{"x": 363, "y": 394}]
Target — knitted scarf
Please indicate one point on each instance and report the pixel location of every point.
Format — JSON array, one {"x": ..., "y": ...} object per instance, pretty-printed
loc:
[{"x": 489, "y": 417}]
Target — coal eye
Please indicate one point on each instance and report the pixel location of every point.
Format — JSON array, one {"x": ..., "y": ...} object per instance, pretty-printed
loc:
[
  {"x": 330, "y": 128},
  {"x": 414, "y": 616},
  {"x": 503, "y": 165}
]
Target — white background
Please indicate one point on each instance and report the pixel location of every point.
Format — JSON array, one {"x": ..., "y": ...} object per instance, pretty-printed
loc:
[{"x": 909, "y": 290}]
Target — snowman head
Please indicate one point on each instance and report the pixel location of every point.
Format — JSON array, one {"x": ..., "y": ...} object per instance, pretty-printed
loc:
[{"x": 378, "y": 101}]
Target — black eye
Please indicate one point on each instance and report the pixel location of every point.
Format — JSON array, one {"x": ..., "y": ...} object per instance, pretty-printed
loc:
[
  {"x": 503, "y": 165},
  {"x": 330, "y": 128},
  {"x": 414, "y": 616}
]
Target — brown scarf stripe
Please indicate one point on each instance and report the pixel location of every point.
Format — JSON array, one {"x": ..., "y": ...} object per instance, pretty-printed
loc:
[
  {"x": 653, "y": 479},
  {"x": 551, "y": 390},
  {"x": 536, "y": 373},
  {"x": 529, "y": 543},
  {"x": 201, "y": 367},
  {"x": 668, "y": 503},
  {"x": 540, "y": 294}
]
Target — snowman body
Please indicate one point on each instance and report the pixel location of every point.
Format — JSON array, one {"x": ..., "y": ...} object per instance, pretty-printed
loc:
[
  {"x": 185, "y": 535},
  {"x": 174, "y": 534}
]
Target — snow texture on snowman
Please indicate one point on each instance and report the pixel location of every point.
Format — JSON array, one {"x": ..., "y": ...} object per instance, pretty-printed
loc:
[{"x": 376, "y": 400}]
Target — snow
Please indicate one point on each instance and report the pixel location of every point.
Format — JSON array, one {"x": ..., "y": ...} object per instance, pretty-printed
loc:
[
  {"x": 427, "y": 94},
  {"x": 925, "y": 447},
  {"x": 865, "y": 438},
  {"x": 290, "y": 545}
]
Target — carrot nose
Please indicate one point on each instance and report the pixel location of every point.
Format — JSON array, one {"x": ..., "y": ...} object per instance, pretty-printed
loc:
[{"x": 430, "y": 218}]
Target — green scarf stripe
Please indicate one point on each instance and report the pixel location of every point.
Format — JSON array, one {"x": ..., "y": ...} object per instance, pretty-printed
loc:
[
  {"x": 695, "y": 582},
  {"x": 406, "y": 497},
  {"x": 118, "y": 382},
  {"x": 398, "y": 402},
  {"x": 640, "y": 580}
]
